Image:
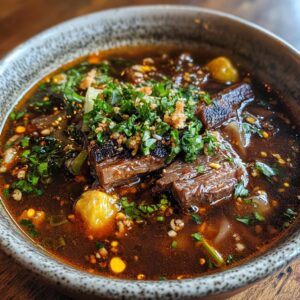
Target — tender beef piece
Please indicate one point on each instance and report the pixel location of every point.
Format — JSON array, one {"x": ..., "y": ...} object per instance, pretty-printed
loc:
[
  {"x": 180, "y": 170},
  {"x": 225, "y": 105},
  {"x": 117, "y": 171},
  {"x": 209, "y": 187}
]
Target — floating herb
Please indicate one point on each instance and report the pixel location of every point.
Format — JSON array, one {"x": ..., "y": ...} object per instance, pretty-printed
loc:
[
  {"x": 265, "y": 169},
  {"x": 240, "y": 190},
  {"x": 196, "y": 218},
  {"x": 30, "y": 227}
]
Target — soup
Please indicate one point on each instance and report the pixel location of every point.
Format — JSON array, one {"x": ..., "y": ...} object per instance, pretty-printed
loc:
[{"x": 151, "y": 164}]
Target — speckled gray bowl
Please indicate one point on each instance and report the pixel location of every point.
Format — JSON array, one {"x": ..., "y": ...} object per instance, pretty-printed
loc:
[{"x": 259, "y": 50}]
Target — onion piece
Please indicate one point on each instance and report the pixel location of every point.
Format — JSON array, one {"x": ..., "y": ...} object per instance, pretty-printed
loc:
[
  {"x": 237, "y": 136},
  {"x": 90, "y": 96},
  {"x": 224, "y": 230}
]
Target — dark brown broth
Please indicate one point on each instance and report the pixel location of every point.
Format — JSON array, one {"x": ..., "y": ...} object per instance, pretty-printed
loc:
[{"x": 149, "y": 241}]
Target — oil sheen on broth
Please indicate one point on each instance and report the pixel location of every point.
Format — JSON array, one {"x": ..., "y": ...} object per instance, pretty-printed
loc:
[{"x": 131, "y": 154}]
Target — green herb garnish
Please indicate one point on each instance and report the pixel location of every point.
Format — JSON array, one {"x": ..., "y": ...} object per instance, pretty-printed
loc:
[
  {"x": 230, "y": 259},
  {"x": 200, "y": 169},
  {"x": 265, "y": 169},
  {"x": 197, "y": 236},
  {"x": 196, "y": 218},
  {"x": 174, "y": 244},
  {"x": 99, "y": 245},
  {"x": 251, "y": 219},
  {"x": 247, "y": 220},
  {"x": 290, "y": 214},
  {"x": 240, "y": 190},
  {"x": 30, "y": 227},
  {"x": 5, "y": 193},
  {"x": 259, "y": 217}
]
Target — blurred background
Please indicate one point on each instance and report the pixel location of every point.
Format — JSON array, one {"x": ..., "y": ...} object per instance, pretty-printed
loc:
[{"x": 21, "y": 19}]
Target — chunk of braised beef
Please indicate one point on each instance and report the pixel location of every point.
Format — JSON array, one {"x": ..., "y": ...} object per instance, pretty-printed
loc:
[
  {"x": 118, "y": 171},
  {"x": 210, "y": 188},
  {"x": 206, "y": 181},
  {"x": 225, "y": 105}
]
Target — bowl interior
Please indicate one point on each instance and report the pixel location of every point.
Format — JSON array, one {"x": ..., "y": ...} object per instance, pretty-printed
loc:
[{"x": 259, "y": 51}]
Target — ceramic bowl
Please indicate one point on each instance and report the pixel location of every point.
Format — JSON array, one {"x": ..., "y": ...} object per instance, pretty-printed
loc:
[{"x": 259, "y": 50}]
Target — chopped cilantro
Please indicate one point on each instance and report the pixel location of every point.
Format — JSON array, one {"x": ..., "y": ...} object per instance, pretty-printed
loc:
[
  {"x": 160, "y": 218},
  {"x": 5, "y": 193},
  {"x": 25, "y": 141},
  {"x": 43, "y": 169},
  {"x": 200, "y": 169},
  {"x": 248, "y": 201},
  {"x": 99, "y": 245},
  {"x": 265, "y": 169},
  {"x": 290, "y": 214},
  {"x": 229, "y": 259},
  {"x": 250, "y": 219},
  {"x": 247, "y": 220},
  {"x": 175, "y": 145},
  {"x": 240, "y": 190},
  {"x": 206, "y": 98},
  {"x": 196, "y": 218},
  {"x": 252, "y": 128},
  {"x": 44, "y": 157},
  {"x": 12, "y": 115},
  {"x": 259, "y": 217},
  {"x": 139, "y": 212},
  {"x": 16, "y": 116},
  {"x": 30, "y": 227}
]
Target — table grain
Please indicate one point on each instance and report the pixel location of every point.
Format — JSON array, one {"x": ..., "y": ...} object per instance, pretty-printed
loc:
[{"x": 21, "y": 19}]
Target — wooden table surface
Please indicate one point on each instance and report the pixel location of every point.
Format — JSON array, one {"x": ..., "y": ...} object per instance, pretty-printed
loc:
[{"x": 21, "y": 19}]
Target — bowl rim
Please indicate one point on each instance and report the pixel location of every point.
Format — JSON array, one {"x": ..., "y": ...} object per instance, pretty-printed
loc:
[{"x": 189, "y": 288}]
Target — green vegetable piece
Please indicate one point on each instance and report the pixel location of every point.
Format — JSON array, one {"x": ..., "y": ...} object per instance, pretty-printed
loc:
[
  {"x": 247, "y": 220},
  {"x": 259, "y": 217},
  {"x": 160, "y": 218},
  {"x": 162, "y": 278},
  {"x": 265, "y": 169},
  {"x": 209, "y": 250},
  {"x": 174, "y": 244},
  {"x": 240, "y": 190},
  {"x": 5, "y": 193},
  {"x": 74, "y": 165},
  {"x": 99, "y": 245},
  {"x": 212, "y": 253},
  {"x": 197, "y": 236},
  {"x": 30, "y": 227},
  {"x": 196, "y": 218},
  {"x": 25, "y": 141},
  {"x": 290, "y": 214},
  {"x": 200, "y": 169},
  {"x": 43, "y": 169},
  {"x": 230, "y": 259},
  {"x": 206, "y": 98}
]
